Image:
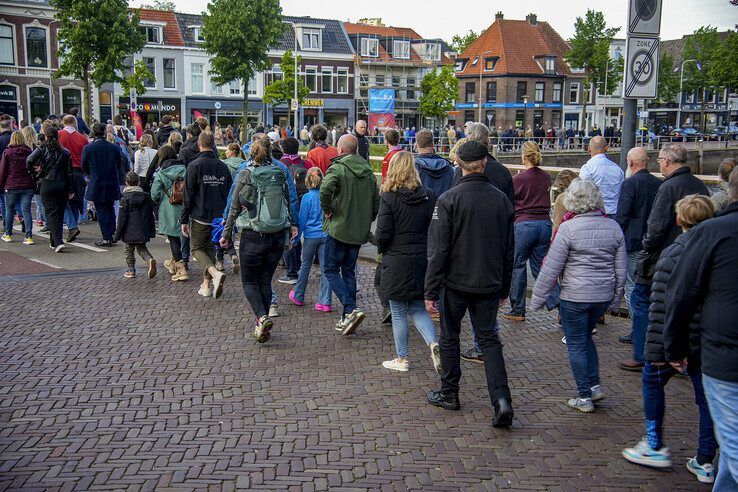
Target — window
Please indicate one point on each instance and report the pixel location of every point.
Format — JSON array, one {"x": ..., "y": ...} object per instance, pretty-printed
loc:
[
  {"x": 689, "y": 97},
  {"x": 311, "y": 39},
  {"x": 197, "y": 34},
  {"x": 469, "y": 116},
  {"x": 170, "y": 81},
  {"x": 491, "y": 91},
  {"x": 342, "y": 81},
  {"x": 151, "y": 66},
  {"x": 36, "y": 47},
  {"x": 470, "y": 92},
  {"x": 396, "y": 81},
  {"x": 574, "y": 92},
  {"x": 411, "y": 87},
  {"x": 489, "y": 64},
  {"x": 721, "y": 96},
  {"x": 71, "y": 98},
  {"x": 522, "y": 92},
  {"x": 7, "y": 51},
  {"x": 550, "y": 64},
  {"x": 234, "y": 87},
  {"x": 153, "y": 34},
  {"x": 379, "y": 80},
  {"x": 326, "y": 79},
  {"x": 433, "y": 52},
  {"x": 537, "y": 119},
  {"x": 557, "y": 89},
  {"x": 252, "y": 86},
  {"x": 556, "y": 117},
  {"x": 197, "y": 77},
  {"x": 40, "y": 102},
  {"x": 540, "y": 91},
  {"x": 215, "y": 88},
  {"x": 275, "y": 74},
  {"x": 401, "y": 49},
  {"x": 369, "y": 47},
  {"x": 311, "y": 78},
  {"x": 520, "y": 118}
]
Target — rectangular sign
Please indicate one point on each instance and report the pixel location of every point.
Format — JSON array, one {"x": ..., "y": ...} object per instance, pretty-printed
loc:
[
  {"x": 381, "y": 121},
  {"x": 644, "y": 17},
  {"x": 381, "y": 100},
  {"x": 641, "y": 71}
]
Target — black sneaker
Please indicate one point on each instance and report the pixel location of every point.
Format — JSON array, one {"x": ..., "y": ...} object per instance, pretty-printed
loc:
[
  {"x": 626, "y": 339},
  {"x": 473, "y": 356},
  {"x": 104, "y": 244},
  {"x": 449, "y": 401},
  {"x": 503, "y": 413}
]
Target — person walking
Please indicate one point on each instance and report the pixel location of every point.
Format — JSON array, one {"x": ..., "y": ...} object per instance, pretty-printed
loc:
[
  {"x": 720, "y": 199},
  {"x": 167, "y": 193},
  {"x": 322, "y": 154},
  {"x": 104, "y": 164},
  {"x": 260, "y": 208},
  {"x": 532, "y": 226},
  {"x": 690, "y": 210},
  {"x": 17, "y": 183},
  {"x": 634, "y": 206},
  {"x": 704, "y": 280},
  {"x": 661, "y": 231},
  {"x": 143, "y": 157},
  {"x": 588, "y": 260},
  {"x": 207, "y": 183},
  {"x": 405, "y": 210},
  {"x": 311, "y": 228},
  {"x": 298, "y": 172},
  {"x": 604, "y": 173},
  {"x": 136, "y": 225},
  {"x": 436, "y": 173},
  {"x": 74, "y": 142},
  {"x": 51, "y": 168},
  {"x": 470, "y": 258},
  {"x": 350, "y": 201}
]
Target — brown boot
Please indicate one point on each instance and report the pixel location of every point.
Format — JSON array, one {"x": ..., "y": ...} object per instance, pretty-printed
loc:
[
  {"x": 218, "y": 281},
  {"x": 171, "y": 265},
  {"x": 180, "y": 275}
]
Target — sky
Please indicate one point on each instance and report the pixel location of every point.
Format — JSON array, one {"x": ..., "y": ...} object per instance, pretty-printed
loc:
[{"x": 434, "y": 18}]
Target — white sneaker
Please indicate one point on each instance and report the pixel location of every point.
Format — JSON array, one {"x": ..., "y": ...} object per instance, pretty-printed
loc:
[
  {"x": 582, "y": 404},
  {"x": 273, "y": 313},
  {"x": 598, "y": 394},
  {"x": 59, "y": 248},
  {"x": 643, "y": 454},
  {"x": 262, "y": 329},
  {"x": 396, "y": 365},
  {"x": 205, "y": 291},
  {"x": 352, "y": 321},
  {"x": 435, "y": 351}
]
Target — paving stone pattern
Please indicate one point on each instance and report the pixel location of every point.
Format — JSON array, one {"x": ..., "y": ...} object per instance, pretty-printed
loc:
[{"x": 109, "y": 383}]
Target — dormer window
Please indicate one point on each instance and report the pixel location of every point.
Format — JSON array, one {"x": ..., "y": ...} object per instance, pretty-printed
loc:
[
  {"x": 433, "y": 52},
  {"x": 460, "y": 64},
  {"x": 197, "y": 34},
  {"x": 475, "y": 61},
  {"x": 370, "y": 47},
  {"x": 401, "y": 49},
  {"x": 489, "y": 64},
  {"x": 550, "y": 64},
  {"x": 153, "y": 34},
  {"x": 311, "y": 39}
]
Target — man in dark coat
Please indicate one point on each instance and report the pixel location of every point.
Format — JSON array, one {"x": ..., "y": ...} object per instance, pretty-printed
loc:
[
  {"x": 165, "y": 130},
  {"x": 470, "y": 262},
  {"x": 189, "y": 150},
  {"x": 360, "y": 134},
  {"x": 104, "y": 164},
  {"x": 81, "y": 125}
]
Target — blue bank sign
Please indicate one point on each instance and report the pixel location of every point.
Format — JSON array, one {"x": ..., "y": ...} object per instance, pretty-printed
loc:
[{"x": 381, "y": 101}]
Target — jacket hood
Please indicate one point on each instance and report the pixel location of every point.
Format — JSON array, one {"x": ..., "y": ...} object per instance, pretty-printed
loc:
[
  {"x": 413, "y": 197},
  {"x": 135, "y": 194},
  {"x": 356, "y": 164},
  {"x": 233, "y": 163},
  {"x": 434, "y": 165},
  {"x": 172, "y": 168}
]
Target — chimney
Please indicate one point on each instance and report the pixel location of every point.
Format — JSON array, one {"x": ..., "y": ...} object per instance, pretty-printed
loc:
[
  {"x": 532, "y": 18},
  {"x": 499, "y": 15}
]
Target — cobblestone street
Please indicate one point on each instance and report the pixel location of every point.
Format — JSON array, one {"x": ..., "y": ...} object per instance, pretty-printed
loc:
[{"x": 110, "y": 383}]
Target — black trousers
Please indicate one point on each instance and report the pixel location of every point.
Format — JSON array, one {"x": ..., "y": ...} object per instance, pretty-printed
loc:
[
  {"x": 259, "y": 255},
  {"x": 54, "y": 196},
  {"x": 483, "y": 313},
  {"x": 377, "y": 282},
  {"x": 175, "y": 246}
]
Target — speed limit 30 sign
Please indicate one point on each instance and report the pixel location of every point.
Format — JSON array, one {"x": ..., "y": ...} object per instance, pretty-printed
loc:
[{"x": 641, "y": 69}]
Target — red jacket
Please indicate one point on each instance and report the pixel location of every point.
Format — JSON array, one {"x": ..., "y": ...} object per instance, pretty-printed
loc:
[
  {"x": 14, "y": 170},
  {"x": 387, "y": 159},
  {"x": 74, "y": 142},
  {"x": 321, "y": 157}
]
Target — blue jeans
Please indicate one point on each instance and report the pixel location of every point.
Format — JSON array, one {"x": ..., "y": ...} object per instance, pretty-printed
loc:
[
  {"x": 341, "y": 257},
  {"x": 722, "y": 398},
  {"x": 71, "y": 216},
  {"x": 630, "y": 277},
  {"x": 312, "y": 247},
  {"x": 18, "y": 200},
  {"x": 292, "y": 261},
  {"x": 654, "y": 405},
  {"x": 578, "y": 320},
  {"x": 640, "y": 300},
  {"x": 532, "y": 238},
  {"x": 421, "y": 320},
  {"x": 40, "y": 212}
]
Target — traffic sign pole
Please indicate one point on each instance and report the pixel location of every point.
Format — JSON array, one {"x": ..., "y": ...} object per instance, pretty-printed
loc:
[{"x": 630, "y": 115}]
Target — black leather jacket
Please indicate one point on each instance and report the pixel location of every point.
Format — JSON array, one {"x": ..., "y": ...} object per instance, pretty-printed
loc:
[{"x": 51, "y": 164}]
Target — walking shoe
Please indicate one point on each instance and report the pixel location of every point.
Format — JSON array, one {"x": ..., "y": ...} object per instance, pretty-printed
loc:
[
  {"x": 341, "y": 325},
  {"x": 236, "y": 264},
  {"x": 171, "y": 266},
  {"x": 472, "y": 355},
  {"x": 631, "y": 365},
  {"x": 397, "y": 364},
  {"x": 323, "y": 308},
  {"x": 643, "y": 454},
  {"x": 180, "y": 274},
  {"x": 435, "y": 351},
  {"x": 152, "y": 268},
  {"x": 582, "y": 404},
  {"x": 598, "y": 394},
  {"x": 7, "y": 238},
  {"x": 449, "y": 401},
  {"x": 205, "y": 291},
  {"x": 219, "y": 266},
  {"x": 513, "y": 316},
  {"x": 353, "y": 320},
  {"x": 28, "y": 241},
  {"x": 503, "y": 413},
  {"x": 284, "y": 279},
  {"x": 104, "y": 244},
  {"x": 40, "y": 223},
  {"x": 626, "y": 339},
  {"x": 72, "y": 234},
  {"x": 44, "y": 229},
  {"x": 130, "y": 274},
  {"x": 59, "y": 248},
  {"x": 294, "y": 300},
  {"x": 263, "y": 328},
  {"x": 218, "y": 282},
  {"x": 273, "y": 313},
  {"x": 704, "y": 473},
  {"x": 387, "y": 317}
]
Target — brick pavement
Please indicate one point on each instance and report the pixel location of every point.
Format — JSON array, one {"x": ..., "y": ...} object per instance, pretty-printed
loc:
[{"x": 110, "y": 383}]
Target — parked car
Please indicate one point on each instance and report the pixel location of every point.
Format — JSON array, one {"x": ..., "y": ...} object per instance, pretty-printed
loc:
[
  {"x": 723, "y": 133},
  {"x": 688, "y": 134}
]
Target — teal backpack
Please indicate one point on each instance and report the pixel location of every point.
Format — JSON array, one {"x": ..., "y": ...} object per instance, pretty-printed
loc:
[{"x": 271, "y": 213}]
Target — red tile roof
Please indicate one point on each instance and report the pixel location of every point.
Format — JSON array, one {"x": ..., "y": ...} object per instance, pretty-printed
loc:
[
  {"x": 172, "y": 34},
  {"x": 517, "y": 43},
  {"x": 385, "y": 31}
]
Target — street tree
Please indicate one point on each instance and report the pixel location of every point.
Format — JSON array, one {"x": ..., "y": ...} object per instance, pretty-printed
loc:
[
  {"x": 95, "y": 38},
  {"x": 668, "y": 85},
  {"x": 282, "y": 91},
  {"x": 161, "y": 5},
  {"x": 459, "y": 43},
  {"x": 136, "y": 81},
  {"x": 702, "y": 46},
  {"x": 725, "y": 72},
  {"x": 439, "y": 91},
  {"x": 590, "y": 51},
  {"x": 238, "y": 34}
]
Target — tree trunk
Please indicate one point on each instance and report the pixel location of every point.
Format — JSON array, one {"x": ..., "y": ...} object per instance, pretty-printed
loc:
[
  {"x": 87, "y": 95},
  {"x": 585, "y": 100},
  {"x": 245, "y": 116}
]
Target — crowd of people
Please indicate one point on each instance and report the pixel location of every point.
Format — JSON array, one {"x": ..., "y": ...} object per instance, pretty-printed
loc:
[{"x": 453, "y": 237}]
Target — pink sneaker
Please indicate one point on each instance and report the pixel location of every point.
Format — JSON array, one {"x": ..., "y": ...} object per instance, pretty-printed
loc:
[
  {"x": 323, "y": 308},
  {"x": 292, "y": 298},
  {"x": 40, "y": 223}
]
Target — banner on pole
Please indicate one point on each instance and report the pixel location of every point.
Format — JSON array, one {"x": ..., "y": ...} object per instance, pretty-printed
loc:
[
  {"x": 381, "y": 100},
  {"x": 382, "y": 121}
]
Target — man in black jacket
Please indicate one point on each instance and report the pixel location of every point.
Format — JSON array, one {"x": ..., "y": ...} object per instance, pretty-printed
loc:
[
  {"x": 207, "y": 184},
  {"x": 470, "y": 260},
  {"x": 165, "y": 130},
  {"x": 661, "y": 230},
  {"x": 190, "y": 150},
  {"x": 704, "y": 279},
  {"x": 360, "y": 134},
  {"x": 634, "y": 206}
]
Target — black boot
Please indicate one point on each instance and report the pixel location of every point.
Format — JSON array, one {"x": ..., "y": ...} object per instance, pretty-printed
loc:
[
  {"x": 503, "y": 413},
  {"x": 449, "y": 401}
]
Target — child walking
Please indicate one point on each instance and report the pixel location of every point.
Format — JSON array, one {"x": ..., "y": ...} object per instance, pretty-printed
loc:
[
  {"x": 136, "y": 225},
  {"x": 311, "y": 226}
]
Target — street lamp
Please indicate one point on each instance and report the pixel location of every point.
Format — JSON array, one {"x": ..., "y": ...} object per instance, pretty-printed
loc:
[
  {"x": 481, "y": 71},
  {"x": 681, "y": 84}
]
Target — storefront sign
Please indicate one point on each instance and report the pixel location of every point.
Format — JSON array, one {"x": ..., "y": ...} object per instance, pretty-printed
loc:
[
  {"x": 146, "y": 107},
  {"x": 8, "y": 93},
  {"x": 313, "y": 103}
]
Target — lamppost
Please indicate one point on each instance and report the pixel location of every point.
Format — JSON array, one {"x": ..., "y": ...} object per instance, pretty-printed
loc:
[
  {"x": 681, "y": 85},
  {"x": 481, "y": 71}
]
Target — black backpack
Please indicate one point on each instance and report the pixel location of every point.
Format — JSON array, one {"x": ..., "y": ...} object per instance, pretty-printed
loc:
[{"x": 299, "y": 173}]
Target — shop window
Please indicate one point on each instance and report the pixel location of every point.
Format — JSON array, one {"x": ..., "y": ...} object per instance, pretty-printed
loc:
[
  {"x": 71, "y": 98},
  {"x": 36, "y": 54},
  {"x": 40, "y": 100}
]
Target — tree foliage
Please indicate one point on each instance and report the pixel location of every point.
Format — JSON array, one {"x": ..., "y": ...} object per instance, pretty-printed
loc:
[
  {"x": 668, "y": 87},
  {"x": 238, "y": 34},
  {"x": 161, "y": 5},
  {"x": 459, "y": 43},
  {"x": 136, "y": 81},
  {"x": 95, "y": 37},
  {"x": 439, "y": 91},
  {"x": 701, "y": 46},
  {"x": 283, "y": 90},
  {"x": 724, "y": 73}
]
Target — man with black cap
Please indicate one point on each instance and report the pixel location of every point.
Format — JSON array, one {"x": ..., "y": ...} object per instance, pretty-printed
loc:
[{"x": 471, "y": 245}]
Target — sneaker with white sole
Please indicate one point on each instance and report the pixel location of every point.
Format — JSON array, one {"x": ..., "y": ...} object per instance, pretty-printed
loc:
[
  {"x": 205, "y": 291},
  {"x": 7, "y": 238},
  {"x": 582, "y": 404},
  {"x": 643, "y": 454},
  {"x": 704, "y": 473},
  {"x": 398, "y": 364},
  {"x": 263, "y": 328},
  {"x": 273, "y": 313},
  {"x": 598, "y": 394},
  {"x": 435, "y": 351},
  {"x": 59, "y": 248},
  {"x": 28, "y": 241},
  {"x": 352, "y": 321}
]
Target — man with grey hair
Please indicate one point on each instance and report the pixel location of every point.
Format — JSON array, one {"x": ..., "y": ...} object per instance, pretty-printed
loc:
[
  {"x": 361, "y": 140},
  {"x": 604, "y": 173},
  {"x": 634, "y": 206},
  {"x": 661, "y": 231}
]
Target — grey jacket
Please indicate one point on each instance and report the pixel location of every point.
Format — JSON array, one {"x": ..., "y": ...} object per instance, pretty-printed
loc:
[{"x": 588, "y": 258}]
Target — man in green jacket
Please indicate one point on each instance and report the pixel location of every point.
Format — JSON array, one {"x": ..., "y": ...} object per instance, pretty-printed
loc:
[{"x": 350, "y": 201}]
